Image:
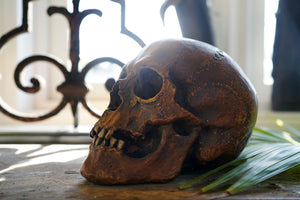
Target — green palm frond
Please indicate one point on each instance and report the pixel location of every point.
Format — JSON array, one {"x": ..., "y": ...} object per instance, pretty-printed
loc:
[{"x": 267, "y": 154}]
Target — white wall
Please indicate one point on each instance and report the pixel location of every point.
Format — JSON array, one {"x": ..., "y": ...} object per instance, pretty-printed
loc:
[
  {"x": 8, "y": 54},
  {"x": 239, "y": 31}
]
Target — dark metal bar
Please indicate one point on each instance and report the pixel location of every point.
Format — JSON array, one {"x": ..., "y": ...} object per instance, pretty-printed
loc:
[
  {"x": 74, "y": 88},
  {"x": 19, "y": 30}
]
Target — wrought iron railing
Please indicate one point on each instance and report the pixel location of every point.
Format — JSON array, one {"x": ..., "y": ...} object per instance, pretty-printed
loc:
[{"x": 73, "y": 88}]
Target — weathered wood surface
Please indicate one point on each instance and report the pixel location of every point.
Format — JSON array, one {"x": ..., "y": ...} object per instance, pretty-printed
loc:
[{"x": 52, "y": 172}]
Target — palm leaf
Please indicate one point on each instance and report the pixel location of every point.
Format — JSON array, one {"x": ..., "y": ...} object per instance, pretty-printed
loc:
[
  {"x": 267, "y": 154},
  {"x": 291, "y": 129}
]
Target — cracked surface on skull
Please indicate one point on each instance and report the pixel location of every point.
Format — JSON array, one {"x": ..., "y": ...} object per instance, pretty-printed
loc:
[{"x": 178, "y": 103}]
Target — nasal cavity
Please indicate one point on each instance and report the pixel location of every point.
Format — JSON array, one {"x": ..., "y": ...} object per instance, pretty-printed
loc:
[
  {"x": 115, "y": 99},
  {"x": 149, "y": 84}
]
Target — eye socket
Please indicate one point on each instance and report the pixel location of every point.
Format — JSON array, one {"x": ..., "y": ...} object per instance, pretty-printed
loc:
[{"x": 149, "y": 83}]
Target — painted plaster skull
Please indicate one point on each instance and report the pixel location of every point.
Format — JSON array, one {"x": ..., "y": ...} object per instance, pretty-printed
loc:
[{"x": 179, "y": 102}]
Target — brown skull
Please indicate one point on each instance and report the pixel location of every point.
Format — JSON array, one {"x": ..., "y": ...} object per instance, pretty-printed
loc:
[{"x": 179, "y": 102}]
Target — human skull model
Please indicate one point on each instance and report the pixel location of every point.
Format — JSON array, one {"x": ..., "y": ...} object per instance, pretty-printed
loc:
[{"x": 179, "y": 102}]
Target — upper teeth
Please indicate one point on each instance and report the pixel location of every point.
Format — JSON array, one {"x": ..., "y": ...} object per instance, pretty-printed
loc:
[
  {"x": 120, "y": 144},
  {"x": 104, "y": 138},
  {"x": 102, "y": 133},
  {"x": 112, "y": 142}
]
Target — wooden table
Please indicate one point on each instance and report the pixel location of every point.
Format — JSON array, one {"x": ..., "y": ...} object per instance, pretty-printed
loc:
[{"x": 52, "y": 172}]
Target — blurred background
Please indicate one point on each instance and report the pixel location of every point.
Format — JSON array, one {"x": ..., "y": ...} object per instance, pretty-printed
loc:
[{"x": 246, "y": 30}]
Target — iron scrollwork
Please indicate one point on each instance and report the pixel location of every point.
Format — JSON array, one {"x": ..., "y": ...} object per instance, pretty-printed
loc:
[{"x": 73, "y": 89}]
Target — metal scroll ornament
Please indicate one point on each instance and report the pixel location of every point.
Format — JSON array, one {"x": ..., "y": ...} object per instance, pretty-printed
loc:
[{"x": 74, "y": 89}]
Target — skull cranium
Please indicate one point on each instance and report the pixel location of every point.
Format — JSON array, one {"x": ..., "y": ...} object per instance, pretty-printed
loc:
[{"x": 178, "y": 102}]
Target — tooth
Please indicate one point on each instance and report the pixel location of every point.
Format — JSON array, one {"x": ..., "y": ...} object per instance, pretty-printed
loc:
[
  {"x": 92, "y": 133},
  {"x": 112, "y": 142},
  {"x": 97, "y": 141},
  {"x": 102, "y": 133},
  {"x": 94, "y": 139},
  {"x": 97, "y": 129},
  {"x": 120, "y": 144},
  {"x": 109, "y": 133}
]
